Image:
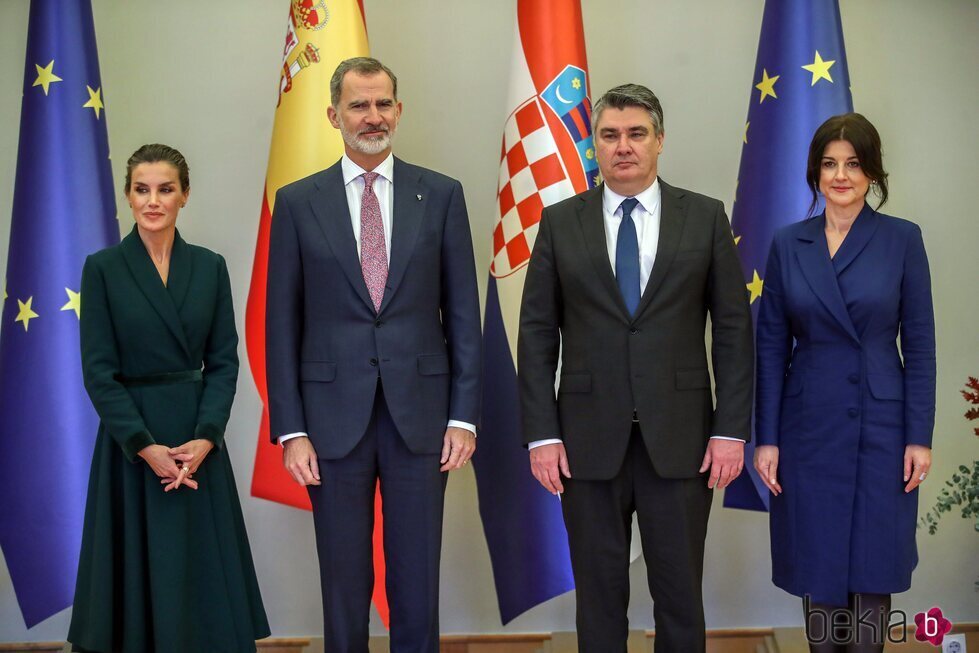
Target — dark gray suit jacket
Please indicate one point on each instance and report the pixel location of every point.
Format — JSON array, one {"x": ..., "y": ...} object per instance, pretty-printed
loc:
[
  {"x": 325, "y": 343},
  {"x": 654, "y": 362}
]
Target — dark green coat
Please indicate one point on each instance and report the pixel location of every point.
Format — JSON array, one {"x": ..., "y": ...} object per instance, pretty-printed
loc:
[{"x": 161, "y": 572}]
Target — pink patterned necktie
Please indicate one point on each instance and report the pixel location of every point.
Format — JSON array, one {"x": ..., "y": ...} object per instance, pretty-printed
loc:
[{"x": 373, "y": 255}]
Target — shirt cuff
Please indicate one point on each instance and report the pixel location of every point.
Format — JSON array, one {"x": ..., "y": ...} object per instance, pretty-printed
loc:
[
  {"x": 724, "y": 437},
  {"x": 541, "y": 443},
  {"x": 462, "y": 425},
  {"x": 289, "y": 436}
]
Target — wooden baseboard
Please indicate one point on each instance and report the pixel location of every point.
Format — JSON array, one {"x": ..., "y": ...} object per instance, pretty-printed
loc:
[
  {"x": 719, "y": 641},
  {"x": 726, "y": 640},
  {"x": 793, "y": 640},
  {"x": 270, "y": 645}
]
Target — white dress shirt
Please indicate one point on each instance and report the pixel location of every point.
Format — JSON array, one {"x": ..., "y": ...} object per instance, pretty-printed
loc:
[
  {"x": 646, "y": 217},
  {"x": 353, "y": 182}
]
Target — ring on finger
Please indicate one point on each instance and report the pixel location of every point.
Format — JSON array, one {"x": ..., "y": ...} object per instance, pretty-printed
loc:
[{"x": 923, "y": 475}]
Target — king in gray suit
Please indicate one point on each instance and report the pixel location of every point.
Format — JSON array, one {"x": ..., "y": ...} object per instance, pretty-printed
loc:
[
  {"x": 373, "y": 356},
  {"x": 618, "y": 290}
]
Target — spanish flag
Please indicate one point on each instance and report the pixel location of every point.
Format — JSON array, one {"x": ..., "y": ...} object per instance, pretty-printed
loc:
[{"x": 317, "y": 39}]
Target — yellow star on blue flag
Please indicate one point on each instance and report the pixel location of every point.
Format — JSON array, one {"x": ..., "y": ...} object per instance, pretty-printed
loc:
[
  {"x": 819, "y": 69},
  {"x": 46, "y": 76}
]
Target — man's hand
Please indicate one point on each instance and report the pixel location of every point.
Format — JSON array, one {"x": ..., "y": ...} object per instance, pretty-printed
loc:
[
  {"x": 299, "y": 458},
  {"x": 457, "y": 448},
  {"x": 725, "y": 459},
  {"x": 766, "y": 463},
  {"x": 547, "y": 463}
]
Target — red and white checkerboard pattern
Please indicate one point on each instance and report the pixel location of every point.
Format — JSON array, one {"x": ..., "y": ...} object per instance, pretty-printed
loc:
[{"x": 532, "y": 176}]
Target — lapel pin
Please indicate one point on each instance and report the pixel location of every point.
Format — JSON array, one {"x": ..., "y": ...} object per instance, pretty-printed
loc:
[{"x": 419, "y": 197}]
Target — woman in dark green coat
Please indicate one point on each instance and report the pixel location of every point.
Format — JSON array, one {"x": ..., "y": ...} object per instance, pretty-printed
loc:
[{"x": 165, "y": 565}]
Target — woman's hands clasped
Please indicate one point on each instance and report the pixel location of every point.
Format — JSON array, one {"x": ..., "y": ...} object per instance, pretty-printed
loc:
[{"x": 176, "y": 466}]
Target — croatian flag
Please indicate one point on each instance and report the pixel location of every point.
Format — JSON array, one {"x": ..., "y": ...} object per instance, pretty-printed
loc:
[{"x": 547, "y": 155}]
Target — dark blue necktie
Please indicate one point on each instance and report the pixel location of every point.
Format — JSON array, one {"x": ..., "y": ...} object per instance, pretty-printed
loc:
[{"x": 627, "y": 257}]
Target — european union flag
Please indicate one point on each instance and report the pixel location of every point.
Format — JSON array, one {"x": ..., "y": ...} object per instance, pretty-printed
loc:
[
  {"x": 800, "y": 80},
  {"x": 63, "y": 210}
]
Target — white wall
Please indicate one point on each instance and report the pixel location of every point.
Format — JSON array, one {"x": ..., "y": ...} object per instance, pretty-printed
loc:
[{"x": 202, "y": 76}]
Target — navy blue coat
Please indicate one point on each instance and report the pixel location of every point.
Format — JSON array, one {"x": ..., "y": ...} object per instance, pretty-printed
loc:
[
  {"x": 841, "y": 402},
  {"x": 325, "y": 343}
]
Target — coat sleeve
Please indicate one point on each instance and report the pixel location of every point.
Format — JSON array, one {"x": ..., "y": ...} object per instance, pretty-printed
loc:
[
  {"x": 732, "y": 345},
  {"x": 460, "y": 312},
  {"x": 918, "y": 343},
  {"x": 220, "y": 364},
  {"x": 539, "y": 340},
  {"x": 774, "y": 345},
  {"x": 283, "y": 324},
  {"x": 100, "y": 367}
]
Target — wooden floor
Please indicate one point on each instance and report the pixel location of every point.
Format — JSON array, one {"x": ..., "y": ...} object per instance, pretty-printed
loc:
[{"x": 736, "y": 640}]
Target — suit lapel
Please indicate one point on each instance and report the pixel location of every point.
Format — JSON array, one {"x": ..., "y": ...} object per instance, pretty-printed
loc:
[
  {"x": 672, "y": 209},
  {"x": 591, "y": 216},
  {"x": 329, "y": 205},
  {"x": 410, "y": 199},
  {"x": 817, "y": 268},
  {"x": 860, "y": 233},
  {"x": 151, "y": 285}
]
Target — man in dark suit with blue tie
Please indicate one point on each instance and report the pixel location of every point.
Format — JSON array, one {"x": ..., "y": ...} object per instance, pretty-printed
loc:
[
  {"x": 373, "y": 359},
  {"x": 618, "y": 290}
]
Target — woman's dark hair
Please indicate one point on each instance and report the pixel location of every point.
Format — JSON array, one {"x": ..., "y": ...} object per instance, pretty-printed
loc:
[
  {"x": 155, "y": 153},
  {"x": 862, "y": 135}
]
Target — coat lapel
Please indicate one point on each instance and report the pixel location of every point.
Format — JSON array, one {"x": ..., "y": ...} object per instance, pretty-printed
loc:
[
  {"x": 149, "y": 282},
  {"x": 817, "y": 268},
  {"x": 410, "y": 199},
  {"x": 181, "y": 271},
  {"x": 329, "y": 205},
  {"x": 591, "y": 216},
  {"x": 860, "y": 233},
  {"x": 672, "y": 209}
]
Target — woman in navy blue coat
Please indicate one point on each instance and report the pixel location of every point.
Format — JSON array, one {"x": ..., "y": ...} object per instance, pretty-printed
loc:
[{"x": 844, "y": 420}]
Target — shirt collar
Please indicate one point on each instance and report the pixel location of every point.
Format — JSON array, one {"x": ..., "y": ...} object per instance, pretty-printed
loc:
[
  {"x": 648, "y": 199},
  {"x": 351, "y": 170}
]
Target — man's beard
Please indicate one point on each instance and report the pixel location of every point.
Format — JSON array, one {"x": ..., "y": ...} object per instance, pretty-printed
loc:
[{"x": 364, "y": 145}]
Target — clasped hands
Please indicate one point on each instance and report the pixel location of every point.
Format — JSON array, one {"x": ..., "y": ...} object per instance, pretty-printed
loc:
[
  {"x": 300, "y": 460},
  {"x": 163, "y": 461}
]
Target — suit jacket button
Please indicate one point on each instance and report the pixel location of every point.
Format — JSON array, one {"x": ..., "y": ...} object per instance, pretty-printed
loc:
[
  {"x": 374, "y": 362},
  {"x": 853, "y": 412},
  {"x": 634, "y": 331},
  {"x": 853, "y": 378},
  {"x": 377, "y": 324}
]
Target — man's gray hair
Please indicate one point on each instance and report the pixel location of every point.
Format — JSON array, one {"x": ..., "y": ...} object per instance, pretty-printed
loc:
[
  {"x": 630, "y": 95},
  {"x": 361, "y": 66}
]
